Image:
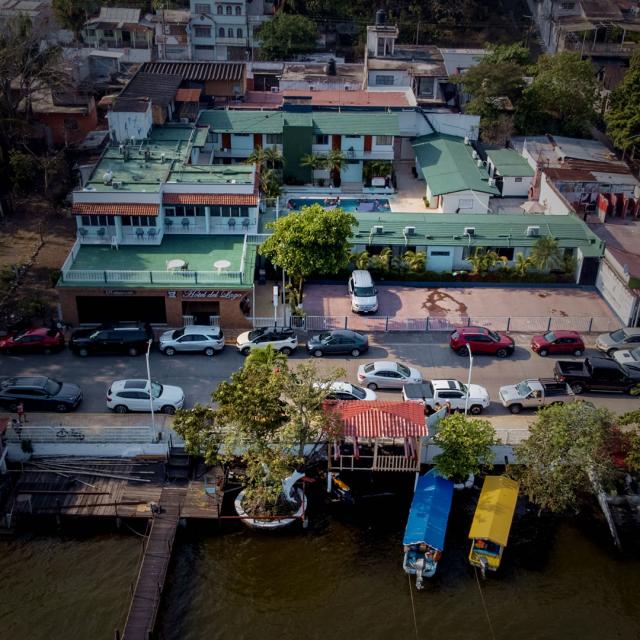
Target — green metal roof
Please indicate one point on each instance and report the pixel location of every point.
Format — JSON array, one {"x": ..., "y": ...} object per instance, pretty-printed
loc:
[
  {"x": 212, "y": 173},
  {"x": 510, "y": 164},
  {"x": 491, "y": 230},
  {"x": 230, "y": 121},
  {"x": 298, "y": 119},
  {"x": 200, "y": 137},
  {"x": 356, "y": 123},
  {"x": 447, "y": 165}
]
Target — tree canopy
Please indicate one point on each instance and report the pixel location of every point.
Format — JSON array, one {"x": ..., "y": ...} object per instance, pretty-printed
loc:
[
  {"x": 623, "y": 116},
  {"x": 286, "y": 35},
  {"x": 313, "y": 241},
  {"x": 72, "y": 14}
]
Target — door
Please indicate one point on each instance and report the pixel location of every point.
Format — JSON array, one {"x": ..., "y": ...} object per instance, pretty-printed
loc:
[
  {"x": 226, "y": 141},
  {"x": 257, "y": 140},
  {"x": 336, "y": 142},
  {"x": 138, "y": 401},
  {"x": 28, "y": 344},
  {"x": 351, "y": 171},
  {"x": 456, "y": 398},
  {"x": 481, "y": 344},
  {"x": 188, "y": 343},
  {"x": 367, "y": 143}
]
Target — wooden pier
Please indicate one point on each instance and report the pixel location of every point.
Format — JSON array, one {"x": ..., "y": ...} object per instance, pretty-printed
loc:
[{"x": 143, "y": 610}]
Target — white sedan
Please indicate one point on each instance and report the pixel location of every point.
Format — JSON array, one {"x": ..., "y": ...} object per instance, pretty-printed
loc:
[
  {"x": 133, "y": 395},
  {"x": 387, "y": 374},
  {"x": 348, "y": 391}
]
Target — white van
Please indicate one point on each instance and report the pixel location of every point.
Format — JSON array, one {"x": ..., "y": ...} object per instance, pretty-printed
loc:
[{"x": 364, "y": 298}]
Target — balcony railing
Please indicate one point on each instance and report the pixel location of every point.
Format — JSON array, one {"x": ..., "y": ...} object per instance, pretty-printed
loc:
[
  {"x": 173, "y": 277},
  {"x": 603, "y": 48}
]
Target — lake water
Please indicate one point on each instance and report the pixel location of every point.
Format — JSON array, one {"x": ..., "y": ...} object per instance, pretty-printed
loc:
[{"x": 340, "y": 579}]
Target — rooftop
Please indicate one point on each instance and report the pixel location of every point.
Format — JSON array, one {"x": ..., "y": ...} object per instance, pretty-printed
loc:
[
  {"x": 447, "y": 229},
  {"x": 317, "y": 72},
  {"x": 197, "y": 71},
  {"x": 622, "y": 238},
  {"x": 199, "y": 252},
  {"x": 510, "y": 163},
  {"x": 160, "y": 88},
  {"x": 326, "y": 98},
  {"x": 447, "y": 165}
]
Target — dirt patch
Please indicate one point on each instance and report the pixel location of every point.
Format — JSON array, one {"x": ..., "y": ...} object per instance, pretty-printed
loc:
[{"x": 441, "y": 303}]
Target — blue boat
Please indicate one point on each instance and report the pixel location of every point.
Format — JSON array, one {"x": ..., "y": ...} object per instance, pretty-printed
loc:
[{"x": 427, "y": 526}]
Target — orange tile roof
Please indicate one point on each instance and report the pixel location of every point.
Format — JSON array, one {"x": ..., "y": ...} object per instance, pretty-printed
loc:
[
  {"x": 115, "y": 209},
  {"x": 249, "y": 199},
  {"x": 380, "y": 419},
  {"x": 188, "y": 95}
]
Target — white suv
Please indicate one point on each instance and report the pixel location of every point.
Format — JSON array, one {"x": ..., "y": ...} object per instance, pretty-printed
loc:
[
  {"x": 133, "y": 395},
  {"x": 194, "y": 338},
  {"x": 282, "y": 339}
]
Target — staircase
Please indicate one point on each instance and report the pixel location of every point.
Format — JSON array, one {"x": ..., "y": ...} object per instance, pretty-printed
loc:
[{"x": 178, "y": 464}]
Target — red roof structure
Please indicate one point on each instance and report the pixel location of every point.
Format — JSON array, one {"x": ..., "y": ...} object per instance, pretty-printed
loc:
[
  {"x": 380, "y": 419},
  {"x": 188, "y": 95},
  {"x": 115, "y": 209},
  {"x": 247, "y": 199}
]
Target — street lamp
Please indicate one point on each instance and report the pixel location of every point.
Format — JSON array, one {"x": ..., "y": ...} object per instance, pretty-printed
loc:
[
  {"x": 466, "y": 402},
  {"x": 153, "y": 415}
]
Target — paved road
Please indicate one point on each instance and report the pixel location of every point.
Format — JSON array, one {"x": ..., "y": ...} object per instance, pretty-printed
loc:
[{"x": 199, "y": 375}]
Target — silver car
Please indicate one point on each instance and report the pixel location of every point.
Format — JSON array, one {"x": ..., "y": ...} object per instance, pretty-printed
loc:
[
  {"x": 192, "y": 339},
  {"x": 625, "y": 338},
  {"x": 629, "y": 358},
  {"x": 387, "y": 374}
]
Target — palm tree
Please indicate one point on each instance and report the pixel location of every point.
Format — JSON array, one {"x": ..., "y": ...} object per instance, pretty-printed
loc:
[
  {"x": 569, "y": 264},
  {"x": 545, "y": 254},
  {"x": 273, "y": 157},
  {"x": 258, "y": 156},
  {"x": 267, "y": 357},
  {"x": 483, "y": 261},
  {"x": 270, "y": 184},
  {"x": 335, "y": 161},
  {"x": 314, "y": 162},
  {"x": 522, "y": 265},
  {"x": 384, "y": 259},
  {"x": 416, "y": 261},
  {"x": 360, "y": 259}
]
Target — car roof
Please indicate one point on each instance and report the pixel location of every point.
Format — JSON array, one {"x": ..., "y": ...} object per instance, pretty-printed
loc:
[
  {"x": 473, "y": 329},
  {"x": 201, "y": 328},
  {"x": 341, "y": 386},
  {"x": 129, "y": 384},
  {"x": 25, "y": 381},
  {"x": 565, "y": 333},
  {"x": 380, "y": 365},
  {"x": 445, "y": 384},
  {"x": 36, "y": 331}
]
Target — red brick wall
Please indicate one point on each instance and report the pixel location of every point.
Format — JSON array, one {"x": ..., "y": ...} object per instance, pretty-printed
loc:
[{"x": 60, "y": 135}]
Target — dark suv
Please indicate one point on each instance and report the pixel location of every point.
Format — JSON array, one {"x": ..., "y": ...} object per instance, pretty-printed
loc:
[
  {"x": 481, "y": 340},
  {"x": 38, "y": 393},
  {"x": 106, "y": 339}
]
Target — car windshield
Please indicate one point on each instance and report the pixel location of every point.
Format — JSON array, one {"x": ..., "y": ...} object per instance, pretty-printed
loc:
[
  {"x": 178, "y": 333},
  {"x": 156, "y": 389},
  {"x": 364, "y": 292},
  {"x": 52, "y": 387},
  {"x": 358, "y": 392},
  {"x": 256, "y": 333},
  {"x": 323, "y": 337},
  {"x": 368, "y": 368},
  {"x": 95, "y": 334},
  {"x": 494, "y": 336},
  {"x": 463, "y": 388},
  {"x": 635, "y": 354},
  {"x": 618, "y": 335},
  {"x": 523, "y": 388},
  {"x": 404, "y": 370},
  {"x": 550, "y": 336}
]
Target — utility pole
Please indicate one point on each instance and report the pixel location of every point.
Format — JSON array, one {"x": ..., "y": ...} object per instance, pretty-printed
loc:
[{"x": 418, "y": 32}]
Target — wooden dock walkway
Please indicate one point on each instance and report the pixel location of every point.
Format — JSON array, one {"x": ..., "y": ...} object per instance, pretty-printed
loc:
[{"x": 143, "y": 610}]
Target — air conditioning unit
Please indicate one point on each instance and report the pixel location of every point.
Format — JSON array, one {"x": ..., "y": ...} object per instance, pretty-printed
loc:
[
  {"x": 492, "y": 182},
  {"x": 479, "y": 162},
  {"x": 275, "y": 89},
  {"x": 474, "y": 154},
  {"x": 311, "y": 87},
  {"x": 347, "y": 87},
  {"x": 377, "y": 229},
  {"x": 409, "y": 231},
  {"x": 469, "y": 231},
  {"x": 466, "y": 140},
  {"x": 115, "y": 184},
  {"x": 533, "y": 231}
]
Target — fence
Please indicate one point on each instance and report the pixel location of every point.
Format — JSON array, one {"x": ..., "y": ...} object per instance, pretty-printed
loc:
[
  {"x": 515, "y": 324},
  {"x": 85, "y": 435}
]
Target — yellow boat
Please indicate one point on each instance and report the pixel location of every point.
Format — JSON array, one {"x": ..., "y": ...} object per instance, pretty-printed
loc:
[{"x": 491, "y": 523}]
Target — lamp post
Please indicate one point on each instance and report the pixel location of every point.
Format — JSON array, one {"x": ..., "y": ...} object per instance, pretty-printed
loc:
[
  {"x": 153, "y": 415},
  {"x": 466, "y": 401}
]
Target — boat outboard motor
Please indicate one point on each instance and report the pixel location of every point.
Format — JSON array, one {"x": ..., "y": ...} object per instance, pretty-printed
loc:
[
  {"x": 288, "y": 483},
  {"x": 419, "y": 569}
]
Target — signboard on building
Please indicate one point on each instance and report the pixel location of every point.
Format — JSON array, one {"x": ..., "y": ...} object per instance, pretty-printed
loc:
[
  {"x": 119, "y": 292},
  {"x": 204, "y": 294}
]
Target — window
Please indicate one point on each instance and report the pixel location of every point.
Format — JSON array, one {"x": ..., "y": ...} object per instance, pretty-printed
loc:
[
  {"x": 202, "y": 31},
  {"x": 503, "y": 252},
  {"x": 321, "y": 139},
  {"x": 169, "y": 211},
  {"x": 203, "y": 8},
  {"x": 238, "y": 33},
  {"x": 138, "y": 221},
  {"x": 274, "y": 138},
  {"x": 221, "y": 32},
  {"x": 189, "y": 211},
  {"x": 230, "y": 32},
  {"x": 384, "y": 140},
  {"x": 241, "y": 135},
  {"x": 440, "y": 253},
  {"x": 238, "y": 10},
  {"x": 567, "y": 6},
  {"x": 219, "y": 10},
  {"x": 91, "y": 33},
  {"x": 352, "y": 136},
  {"x": 465, "y": 204},
  {"x": 384, "y": 80},
  {"x": 98, "y": 221},
  {"x": 517, "y": 179},
  {"x": 228, "y": 10},
  {"x": 108, "y": 33}
]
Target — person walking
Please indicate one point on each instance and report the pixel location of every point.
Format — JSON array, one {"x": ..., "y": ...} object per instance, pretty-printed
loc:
[{"x": 22, "y": 418}]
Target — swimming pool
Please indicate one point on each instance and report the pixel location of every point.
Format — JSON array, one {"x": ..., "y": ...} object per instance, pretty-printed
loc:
[{"x": 348, "y": 204}]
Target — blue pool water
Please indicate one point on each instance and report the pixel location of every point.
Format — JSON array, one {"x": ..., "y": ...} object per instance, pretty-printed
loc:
[{"x": 348, "y": 204}]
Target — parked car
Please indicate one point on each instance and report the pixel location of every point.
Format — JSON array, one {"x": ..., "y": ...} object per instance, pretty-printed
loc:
[
  {"x": 535, "y": 393},
  {"x": 364, "y": 295},
  {"x": 625, "y": 338},
  {"x": 481, "y": 340},
  {"x": 338, "y": 341},
  {"x": 348, "y": 391},
  {"x": 194, "y": 338},
  {"x": 133, "y": 395},
  {"x": 387, "y": 374},
  {"x": 39, "y": 393},
  {"x": 131, "y": 340},
  {"x": 558, "y": 343},
  {"x": 36, "y": 340},
  {"x": 282, "y": 339},
  {"x": 628, "y": 358},
  {"x": 432, "y": 392},
  {"x": 596, "y": 374}
]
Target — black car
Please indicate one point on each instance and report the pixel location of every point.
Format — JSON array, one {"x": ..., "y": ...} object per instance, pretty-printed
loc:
[
  {"x": 338, "y": 341},
  {"x": 38, "y": 393},
  {"x": 108, "y": 340}
]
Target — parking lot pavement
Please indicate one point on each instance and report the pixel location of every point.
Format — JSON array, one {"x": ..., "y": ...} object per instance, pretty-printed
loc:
[{"x": 199, "y": 375}]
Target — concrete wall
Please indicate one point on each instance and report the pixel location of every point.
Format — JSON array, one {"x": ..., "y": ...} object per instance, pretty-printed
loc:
[
  {"x": 455, "y": 124},
  {"x": 127, "y": 125},
  {"x": 614, "y": 290},
  {"x": 466, "y": 201},
  {"x": 58, "y": 126},
  {"x": 553, "y": 202},
  {"x": 511, "y": 188}
]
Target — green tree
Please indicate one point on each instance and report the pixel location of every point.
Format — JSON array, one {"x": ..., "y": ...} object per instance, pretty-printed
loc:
[
  {"x": 565, "y": 444},
  {"x": 72, "y": 14},
  {"x": 562, "y": 97},
  {"x": 466, "y": 446},
  {"x": 545, "y": 254},
  {"x": 360, "y": 259},
  {"x": 516, "y": 52},
  {"x": 382, "y": 261},
  {"x": 273, "y": 158},
  {"x": 270, "y": 183},
  {"x": 335, "y": 160},
  {"x": 286, "y": 35},
  {"x": 522, "y": 265},
  {"x": 257, "y": 156},
  {"x": 623, "y": 116},
  {"x": 314, "y": 162},
  {"x": 483, "y": 261},
  {"x": 313, "y": 241},
  {"x": 416, "y": 261}
]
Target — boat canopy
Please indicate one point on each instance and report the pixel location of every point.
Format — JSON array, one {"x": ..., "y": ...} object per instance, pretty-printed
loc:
[
  {"x": 494, "y": 512},
  {"x": 427, "y": 523}
]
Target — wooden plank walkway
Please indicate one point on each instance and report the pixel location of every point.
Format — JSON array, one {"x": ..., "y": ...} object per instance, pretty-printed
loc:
[{"x": 153, "y": 569}]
